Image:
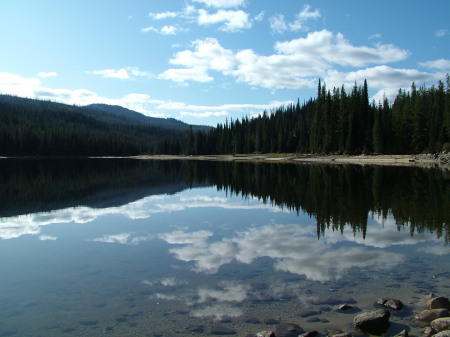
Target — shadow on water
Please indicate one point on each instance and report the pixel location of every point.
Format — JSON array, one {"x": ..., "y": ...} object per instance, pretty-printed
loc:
[{"x": 336, "y": 196}]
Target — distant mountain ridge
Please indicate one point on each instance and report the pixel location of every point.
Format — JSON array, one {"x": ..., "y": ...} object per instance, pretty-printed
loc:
[
  {"x": 106, "y": 113},
  {"x": 31, "y": 127}
]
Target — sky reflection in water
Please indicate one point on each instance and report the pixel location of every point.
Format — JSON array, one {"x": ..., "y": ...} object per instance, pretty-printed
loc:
[{"x": 202, "y": 251}]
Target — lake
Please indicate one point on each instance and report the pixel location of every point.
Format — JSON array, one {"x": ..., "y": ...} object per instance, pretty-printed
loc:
[{"x": 176, "y": 248}]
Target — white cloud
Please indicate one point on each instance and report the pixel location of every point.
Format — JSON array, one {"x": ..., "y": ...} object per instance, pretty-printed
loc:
[
  {"x": 335, "y": 49},
  {"x": 47, "y": 238},
  {"x": 43, "y": 74},
  {"x": 165, "y": 30},
  {"x": 440, "y": 64},
  {"x": 222, "y": 3},
  {"x": 183, "y": 75},
  {"x": 259, "y": 16},
  {"x": 383, "y": 78},
  {"x": 233, "y": 20},
  {"x": 306, "y": 13},
  {"x": 442, "y": 32},
  {"x": 203, "y": 114},
  {"x": 279, "y": 25},
  {"x": 122, "y": 73},
  {"x": 375, "y": 36},
  {"x": 295, "y": 64},
  {"x": 163, "y": 15}
]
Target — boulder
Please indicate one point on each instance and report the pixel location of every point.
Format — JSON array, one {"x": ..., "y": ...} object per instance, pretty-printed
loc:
[
  {"x": 438, "y": 303},
  {"x": 220, "y": 330},
  {"x": 345, "y": 307},
  {"x": 441, "y": 324},
  {"x": 373, "y": 322},
  {"x": 343, "y": 334},
  {"x": 445, "y": 333},
  {"x": 309, "y": 334},
  {"x": 428, "y": 331},
  {"x": 403, "y": 333},
  {"x": 288, "y": 330},
  {"x": 425, "y": 317},
  {"x": 264, "y": 334},
  {"x": 390, "y": 303}
]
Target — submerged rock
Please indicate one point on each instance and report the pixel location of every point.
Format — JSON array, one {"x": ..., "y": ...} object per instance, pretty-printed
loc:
[
  {"x": 252, "y": 320},
  {"x": 270, "y": 321},
  {"x": 221, "y": 330},
  {"x": 196, "y": 328},
  {"x": 288, "y": 330},
  {"x": 372, "y": 323},
  {"x": 403, "y": 333},
  {"x": 390, "y": 303},
  {"x": 438, "y": 303}
]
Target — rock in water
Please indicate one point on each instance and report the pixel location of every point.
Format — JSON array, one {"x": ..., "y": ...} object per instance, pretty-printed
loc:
[
  {"x": 345, "y": 307},
  {"x": 439, "y": 303},
  {"x": 372, "y": 323},
  {"x": 445, "y": 333},
  {"x": 403, "y": 333},
  {"x": 220, "y": 330},
  {"x": 288, "y": 330},
  {"x": 425, "y": 317},
  {"x": 262, "y": 334},
  {"x": 441, "y": 324},
  {"x": 391, "y": 303}
]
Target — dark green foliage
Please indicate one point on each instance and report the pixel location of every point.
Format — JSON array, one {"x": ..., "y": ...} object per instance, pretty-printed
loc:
[
  {"x": 41, "y": 128},
  {"x": 338, "y": 122}
]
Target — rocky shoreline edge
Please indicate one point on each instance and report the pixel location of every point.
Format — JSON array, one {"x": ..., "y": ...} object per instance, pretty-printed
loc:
[
  {"x": 435, "y": 321},
  {"x": 441, "y": 160}
]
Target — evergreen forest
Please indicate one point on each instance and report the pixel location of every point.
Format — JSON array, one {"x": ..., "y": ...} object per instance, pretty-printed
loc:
[
  {"x": 30, "y": 127},
  {"x": 334, "y": 122},
  {"x": 337, "y": 121}
]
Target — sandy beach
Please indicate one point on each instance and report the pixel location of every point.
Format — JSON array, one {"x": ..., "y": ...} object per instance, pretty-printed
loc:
[{"x": 423, "y": 160}]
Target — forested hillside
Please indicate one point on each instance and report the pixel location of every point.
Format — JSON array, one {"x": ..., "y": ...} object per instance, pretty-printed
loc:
[
  {"x": 336, "y": 121},
  {"x": 33, "y": 127}
]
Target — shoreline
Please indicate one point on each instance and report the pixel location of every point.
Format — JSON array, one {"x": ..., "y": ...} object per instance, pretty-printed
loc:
[
  {"x": 422, "y": 160},
  {"x": 441, "y": 160}
]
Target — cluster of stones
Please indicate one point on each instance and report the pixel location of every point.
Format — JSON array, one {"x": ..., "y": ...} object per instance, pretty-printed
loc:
[{"x": 435, "y": 320}]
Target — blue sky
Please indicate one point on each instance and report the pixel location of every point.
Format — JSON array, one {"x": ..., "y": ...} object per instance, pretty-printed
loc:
[{"x": 205, "y": 61}]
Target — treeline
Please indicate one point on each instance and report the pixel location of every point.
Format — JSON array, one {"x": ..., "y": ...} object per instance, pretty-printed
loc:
[
  {"x": 336, "y": 121},
  {"x": 38, "y": 128}
]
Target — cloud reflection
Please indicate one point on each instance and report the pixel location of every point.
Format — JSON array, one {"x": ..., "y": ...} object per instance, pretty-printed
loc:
[
  {"x": 294, "y": 248},
  {"x": 231, "y": 292},
  {"x": 123, "y": 238},
  {"x": 217, "y": 311},
  {"x": 16, "y": 226}
]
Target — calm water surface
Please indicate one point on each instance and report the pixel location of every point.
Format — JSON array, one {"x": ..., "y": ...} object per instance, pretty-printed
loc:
[{"x": 131, "y": 248}]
